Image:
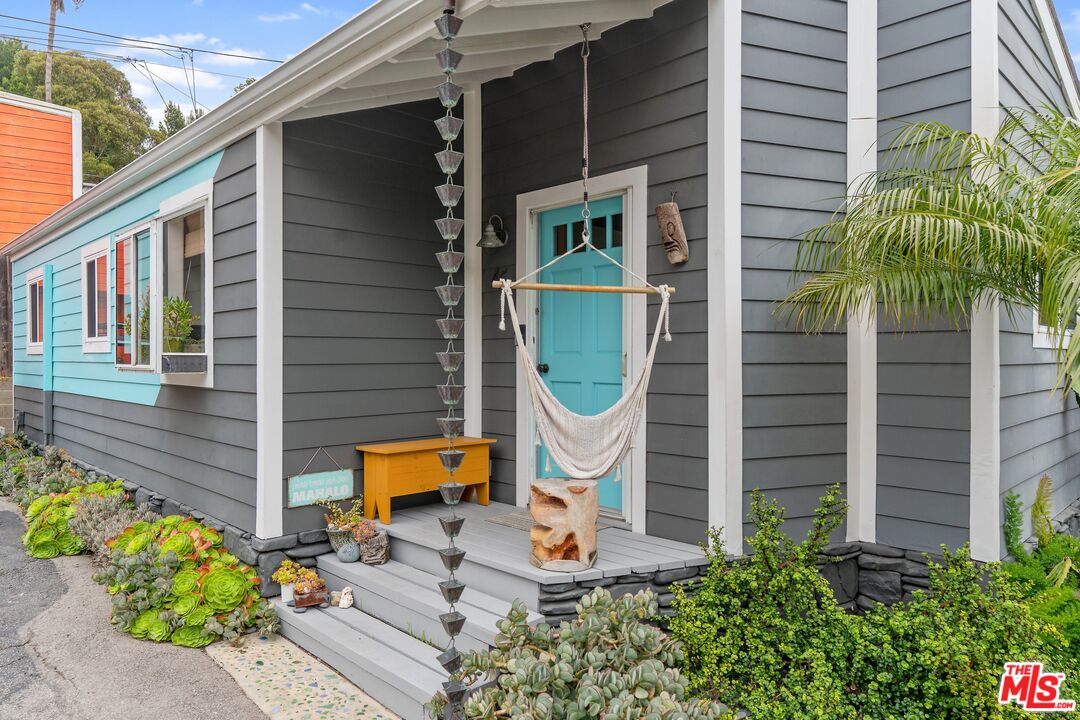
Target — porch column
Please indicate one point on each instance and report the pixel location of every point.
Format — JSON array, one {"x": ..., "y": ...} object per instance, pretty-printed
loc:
[
  {"x": 725, "y": 271},
  {"x": 862, "y": 149},
  {"x": 474, "y": 225},
  {"x": 269, "y": 343},
  {"x": 984, "y": 524}
]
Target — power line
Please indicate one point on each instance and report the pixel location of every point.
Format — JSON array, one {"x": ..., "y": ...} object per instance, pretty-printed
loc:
[{"x": 137, "y": 40}]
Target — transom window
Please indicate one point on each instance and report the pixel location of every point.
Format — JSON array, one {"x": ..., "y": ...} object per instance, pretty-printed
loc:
[
  {"x": 131, "y": 280},
  {"x": 35, "y": 312},
  {"x": 95, "y": 283}
]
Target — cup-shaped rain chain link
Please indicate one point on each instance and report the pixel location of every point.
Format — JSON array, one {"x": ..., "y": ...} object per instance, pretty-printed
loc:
[{"x": 451, "y": 393}]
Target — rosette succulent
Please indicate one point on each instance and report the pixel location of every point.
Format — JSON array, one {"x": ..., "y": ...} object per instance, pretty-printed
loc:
[
  {"x": 185, "y": 582},
  {"x": 184, "y": 604},
  {"x": 192, "y": 636},
  {"x": 224, "y": 588},
  {"x": 47, "y": 532},
  {"x": 180, "y": 543},
  {"x": 149, "y": 625}
]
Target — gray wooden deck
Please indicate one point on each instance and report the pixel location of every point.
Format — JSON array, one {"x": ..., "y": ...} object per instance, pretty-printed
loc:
[{"x": 506, "y": 549}]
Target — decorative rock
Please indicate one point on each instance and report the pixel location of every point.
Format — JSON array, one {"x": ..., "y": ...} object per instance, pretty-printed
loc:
[
  {"x": 335, "y": 598},
  {"x": 130, "y": 487},
  {"x": 665, "y": 600},
  {"x": 917, "y": 582},
  {"x": 268, "y": 588},
  {"x": 170, "y": 507},
  {"x": 841, "y": 548},
  {"x": 311, "y": 536},
  {"x": 882, "y": 550},
  {"x": 307, "y": 562},
  {"x": 275, "y": 543},
  {"x": 305, "y": 551},
  {"x": 921, "y": 557},
  {"x": 346, "y": 597},
  {"x": 619, "y": 589},
  {"x": 555, "y": 620},
  {"x": 843, "y": 577},
  {"x": 909, "y": 589},
  {"x": 881, "y": 585},
  {"x": 573, "y": 594},
  {"x": 558, "y": 587},
  {"x": 269, "y": 562},
  {"x": 245, "y": 554},
  {"x": 865, "y": 603},
  {"x": 142, "y": 496},
  {"x": 900, "y": 565},
  {"x": 212, "y": 522},
  {"x": 597, "y": 582},
  {"x": 564, "y": 513},
  {"x": 233, "y": 538},
  {"x": 666, "y": 577},
  {"x": 562, "y": 607}
]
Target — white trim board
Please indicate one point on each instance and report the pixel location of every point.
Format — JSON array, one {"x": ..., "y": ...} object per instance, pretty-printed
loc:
[
  {"x": 725, "y": 272},
  {"x": 1059, "y": 50},
  {"x": 633, "y": 185},
  {"x": 862, "y": 386},
  {"x": 269, "y": 343},
  {"x": 984, "y": 522},
  {"x": 474, "y": 290}
]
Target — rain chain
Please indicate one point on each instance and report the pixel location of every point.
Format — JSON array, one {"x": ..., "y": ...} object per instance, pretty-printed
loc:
[{"x": 451, "y": 326}]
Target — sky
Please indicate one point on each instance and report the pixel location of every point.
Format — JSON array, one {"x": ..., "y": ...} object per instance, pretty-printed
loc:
[{"x": 273, "y": 29}]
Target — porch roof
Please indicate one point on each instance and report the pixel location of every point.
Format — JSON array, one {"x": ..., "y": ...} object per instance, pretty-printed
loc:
[{"x": 383, "y": 56}]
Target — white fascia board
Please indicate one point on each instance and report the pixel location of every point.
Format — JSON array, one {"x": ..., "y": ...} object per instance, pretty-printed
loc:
[
  {"x": 39, "y": 105},
  {"x": 984, "y": 521},
  {"x": 725, "y": 400},
  {"x": 862, "y": 386}
]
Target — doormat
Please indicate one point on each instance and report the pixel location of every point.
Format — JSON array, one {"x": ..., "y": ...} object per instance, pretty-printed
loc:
[{"x": 520, "y": 520}]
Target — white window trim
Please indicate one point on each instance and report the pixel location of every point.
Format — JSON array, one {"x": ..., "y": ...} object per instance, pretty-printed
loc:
[
  {"x": 1042, "y": 336},
  {"x": 632, "y": 185},
  {"x": 92, "y": 252},
  {"x": 197, "y": 197},
  {"x": 131, "y": 232},
  {"x": 32, "y": 277}
]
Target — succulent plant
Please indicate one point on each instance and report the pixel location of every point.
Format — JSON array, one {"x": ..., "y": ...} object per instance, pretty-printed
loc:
[
  {"x": 286, "y": 572},
  {"x": 223, "y": 589},
  {"x": 607, "y": 664},
  {"x": 192, "y": 636},
  {"x": 308, "y": 581},
  {"x": 98, "y": 519},
  {"x": 48, "y": 533}
]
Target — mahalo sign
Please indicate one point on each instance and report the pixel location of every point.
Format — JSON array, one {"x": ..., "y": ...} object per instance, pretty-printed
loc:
[{"x": 311, "y": 487}]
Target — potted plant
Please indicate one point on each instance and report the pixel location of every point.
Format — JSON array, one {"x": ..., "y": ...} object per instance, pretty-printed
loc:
[
  {"x": 373, "y": 542},
  {"x": 309, "y": 590},
  {"x": 285, "y": 576},
  {"x": 341, "y": 522},
  {"x": 177, "y": 323}
]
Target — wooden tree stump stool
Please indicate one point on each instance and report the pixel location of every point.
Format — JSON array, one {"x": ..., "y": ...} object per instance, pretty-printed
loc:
[{"x": 564, "y": 513}]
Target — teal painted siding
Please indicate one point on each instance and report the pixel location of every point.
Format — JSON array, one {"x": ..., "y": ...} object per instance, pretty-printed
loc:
[{"x": 72, "y": 370}]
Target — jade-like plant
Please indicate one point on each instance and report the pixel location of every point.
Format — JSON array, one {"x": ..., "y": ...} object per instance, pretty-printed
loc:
[
  {"x": 609, "y": 663},
  {"x": 177, "y": 322},
  {"x": 286, "y": 572}
]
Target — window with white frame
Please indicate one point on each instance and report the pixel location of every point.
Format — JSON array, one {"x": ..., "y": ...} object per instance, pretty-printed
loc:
[
  {"x": 1045, "y": 336},
  {"x": 95, "y": 295},
  {"x": 131, "y": 283},
  {"x": 183, "y": 269},
  {"x": 35, "y": 312}
]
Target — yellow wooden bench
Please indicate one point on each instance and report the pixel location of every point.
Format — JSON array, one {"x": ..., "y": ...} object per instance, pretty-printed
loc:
[{"x": 396, "y": 469}]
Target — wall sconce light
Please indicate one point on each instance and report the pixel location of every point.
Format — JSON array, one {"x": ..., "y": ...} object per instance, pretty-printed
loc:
[{"x": 493, "y": 238}]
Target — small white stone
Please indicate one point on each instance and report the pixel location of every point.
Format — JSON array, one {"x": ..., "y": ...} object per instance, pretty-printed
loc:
[{"x": 346, "y": 598}]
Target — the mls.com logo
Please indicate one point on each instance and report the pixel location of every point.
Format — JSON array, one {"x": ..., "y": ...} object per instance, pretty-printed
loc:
[{"x": 1028, "y": 686}]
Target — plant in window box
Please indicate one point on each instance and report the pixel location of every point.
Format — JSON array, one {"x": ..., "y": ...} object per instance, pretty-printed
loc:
[
  {"x": 341, "y": 522},
  {"x": 177, "y": 323},
  {"x": 309, "y": 590},
  {"x": 286, "y": 576}
]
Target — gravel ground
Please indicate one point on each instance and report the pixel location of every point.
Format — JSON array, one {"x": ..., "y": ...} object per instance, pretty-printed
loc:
[{"x": 60, "y": 657}]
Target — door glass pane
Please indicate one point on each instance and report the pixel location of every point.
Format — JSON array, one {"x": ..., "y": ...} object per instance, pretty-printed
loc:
[
  {"x": 616, "y": 230},
  {"x": 599, "y": 232},
  {"x": 560, "y": 240},
  {"x": 124, "y": 302},
  {"x": 575, "y": 234}
]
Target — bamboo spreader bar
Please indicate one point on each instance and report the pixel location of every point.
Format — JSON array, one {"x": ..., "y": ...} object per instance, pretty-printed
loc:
[{"x": 620, "y": 289}]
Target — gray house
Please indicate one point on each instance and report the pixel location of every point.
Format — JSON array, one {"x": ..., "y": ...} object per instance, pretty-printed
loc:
[{"x": 296, "y": 219}]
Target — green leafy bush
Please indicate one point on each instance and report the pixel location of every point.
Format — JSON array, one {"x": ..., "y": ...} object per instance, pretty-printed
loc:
[
  {"x": 172, "y": 579},
  {"x": 607, "y": 664},
  {"x": 48, "y": 533},
  {"x": 765, "y": 634}
]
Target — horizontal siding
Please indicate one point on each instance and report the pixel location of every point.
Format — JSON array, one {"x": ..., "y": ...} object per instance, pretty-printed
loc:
[
  {"x": 924, "y": 56},
  {"x": 1040, "y": 426},
  {"x": 793, "y": 169},
  {"x": 35, "y": 167},
  {"x": 359, "y": 324},
  {"x": 648, "y": 88},
  {"x": 195, "y": 445}
]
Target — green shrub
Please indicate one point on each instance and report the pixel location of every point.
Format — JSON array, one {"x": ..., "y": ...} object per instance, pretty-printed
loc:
[
  {"x": 607, "y": 664},
  {"x": 765, "y": 634},
  {"x": 172, "y": 579}
]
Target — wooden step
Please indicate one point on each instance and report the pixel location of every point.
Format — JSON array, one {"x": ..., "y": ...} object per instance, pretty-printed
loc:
[
  {"x": 409, "y": 599},
  {"x": 391, "y": 666}
]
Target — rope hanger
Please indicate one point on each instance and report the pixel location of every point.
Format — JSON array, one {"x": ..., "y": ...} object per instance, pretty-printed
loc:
[{"x": 586, "y": 214}]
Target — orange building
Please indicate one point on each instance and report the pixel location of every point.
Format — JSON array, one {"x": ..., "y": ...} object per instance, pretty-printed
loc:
[{"x": 40, "y": 161}]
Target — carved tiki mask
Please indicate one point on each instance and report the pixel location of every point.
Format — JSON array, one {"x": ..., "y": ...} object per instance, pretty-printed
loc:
[{"x": 672, "y": 233}]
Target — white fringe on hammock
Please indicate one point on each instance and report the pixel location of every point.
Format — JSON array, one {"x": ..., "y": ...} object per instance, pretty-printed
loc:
[{"x": 586, "y": 447}]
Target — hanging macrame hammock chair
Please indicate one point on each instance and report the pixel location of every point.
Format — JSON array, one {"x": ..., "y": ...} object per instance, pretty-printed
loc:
[{"x": 585, "y": 447}]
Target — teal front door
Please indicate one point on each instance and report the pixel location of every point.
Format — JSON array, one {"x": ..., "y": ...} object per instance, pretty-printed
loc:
[{"x": 580, "y": 344}]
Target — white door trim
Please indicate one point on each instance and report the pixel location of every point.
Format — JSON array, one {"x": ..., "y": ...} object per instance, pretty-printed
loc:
[{"x": 633, "y": 185}]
